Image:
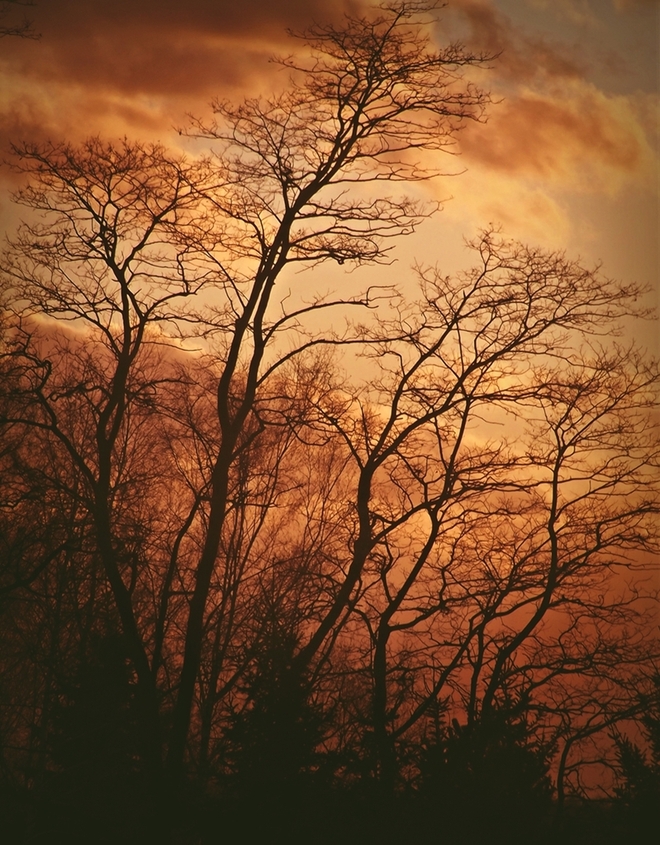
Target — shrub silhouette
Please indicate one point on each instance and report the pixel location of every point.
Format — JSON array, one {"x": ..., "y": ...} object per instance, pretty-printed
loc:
[{"x": 487, "y": 777}]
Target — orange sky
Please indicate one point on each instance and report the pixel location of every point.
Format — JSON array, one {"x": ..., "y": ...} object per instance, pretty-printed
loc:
[{"x": 568, "y": 158}]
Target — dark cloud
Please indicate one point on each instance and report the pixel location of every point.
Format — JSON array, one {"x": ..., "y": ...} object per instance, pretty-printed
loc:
[
  {"x": 635, "y": 5},
  {"x": 196, "y": 16},
  {"x": 520, "y": 56},
  {"x": 137, "y": 67},
  {"x": 159, "y": 46}
]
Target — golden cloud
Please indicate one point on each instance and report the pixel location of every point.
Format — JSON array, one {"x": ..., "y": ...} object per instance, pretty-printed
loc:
[
  {"x": 578, "y": 136},
  {"x": 138, "y": 68}
]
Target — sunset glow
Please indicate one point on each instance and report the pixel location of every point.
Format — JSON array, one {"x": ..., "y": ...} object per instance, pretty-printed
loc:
[{"x": 329, "y": 441}]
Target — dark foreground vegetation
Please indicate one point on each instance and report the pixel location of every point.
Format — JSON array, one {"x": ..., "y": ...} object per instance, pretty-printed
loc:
[
  {"x": 498, "y": 794},
  {"x": 370, "y": 566}
]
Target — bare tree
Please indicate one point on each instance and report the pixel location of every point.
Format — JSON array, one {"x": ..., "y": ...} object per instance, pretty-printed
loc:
[
  {"x": 289, "y": 170},
  {"x": 490, "y": 555},
  {"x": 106, "y": 259},
  {"x": 130, "y": 232},
  {"x": 464, "y": 531},
  {"x": 9, "y": 26}
]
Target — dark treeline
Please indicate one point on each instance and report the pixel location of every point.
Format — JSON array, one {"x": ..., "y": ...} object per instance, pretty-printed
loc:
[{"x": 284, "y": 566}]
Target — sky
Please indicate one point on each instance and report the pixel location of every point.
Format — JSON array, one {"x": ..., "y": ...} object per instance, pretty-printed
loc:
[{"x": 568, "y": 158}]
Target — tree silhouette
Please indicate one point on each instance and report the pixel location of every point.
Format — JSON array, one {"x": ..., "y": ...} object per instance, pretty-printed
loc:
[
  {"x": 373, "y": 91},
  {"x": 9, "y": 26},
  {"x": 490, "y": 775},
  {"x": 639, "y": 789},
  {"x": 369, "y": 574}
]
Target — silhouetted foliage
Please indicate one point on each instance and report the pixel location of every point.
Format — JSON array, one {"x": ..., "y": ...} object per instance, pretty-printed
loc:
[
  {"x": 271, "y": 748},
  {"x": 95, "y": 789},
  {"x": 639, "y": 791},
  {"x": 272, "y": 742},
  {"x": 490, "y": 775}
]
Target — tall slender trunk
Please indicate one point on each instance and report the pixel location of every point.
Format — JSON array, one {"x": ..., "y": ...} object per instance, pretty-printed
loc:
[
  {"x": 361, "y": 548},
  {"x": 146, "y": 698},
  {"x": 385, "y": 756},
  {"x": 195, "y": 629},
  {"x": 231, "y": 427}
]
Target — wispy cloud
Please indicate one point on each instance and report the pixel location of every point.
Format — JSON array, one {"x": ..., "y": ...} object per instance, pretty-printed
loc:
[
  {"x": 138, "y": 67},
  {"x": 579, "y": 135},
  {"x": 521, "y": 57}
]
